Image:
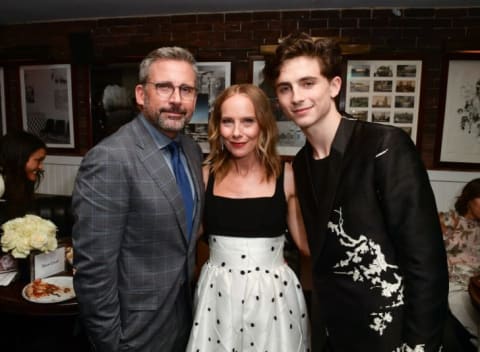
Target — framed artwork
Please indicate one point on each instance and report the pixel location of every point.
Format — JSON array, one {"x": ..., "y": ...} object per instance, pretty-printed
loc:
[
  {"x": 7, "y": 263},
  {"x": 291, "y": 138},
  {"x": 46, "y": 97},
  {"x": 385, "y": 91},
  {"x": 3, "y": 114},
  {"x": 112, "y": 97},
  {"x": 458, "y": 137},
  {"x": 213, "y": 77},
  {"x": 257, "y": 71}
]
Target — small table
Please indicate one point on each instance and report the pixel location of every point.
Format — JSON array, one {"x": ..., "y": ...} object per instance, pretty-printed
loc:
[
  {"x": 39, "y": 326},
  {"x": 11, "y": 301}
]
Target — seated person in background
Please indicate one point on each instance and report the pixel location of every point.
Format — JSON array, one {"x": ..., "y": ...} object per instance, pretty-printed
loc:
[
  {"x": 461, "y": 233},
  {"x": 21, "y": 170}
]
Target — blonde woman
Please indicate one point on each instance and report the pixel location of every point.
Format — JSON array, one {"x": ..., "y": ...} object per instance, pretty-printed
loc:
[{"x": 247, "y": 297}]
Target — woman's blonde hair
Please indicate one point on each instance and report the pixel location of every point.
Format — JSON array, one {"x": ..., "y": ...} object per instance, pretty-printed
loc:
[{"x": 266, "y": 150}]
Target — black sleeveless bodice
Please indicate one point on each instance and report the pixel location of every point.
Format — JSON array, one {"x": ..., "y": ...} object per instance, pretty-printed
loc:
[{"x": 246, "y": 217}]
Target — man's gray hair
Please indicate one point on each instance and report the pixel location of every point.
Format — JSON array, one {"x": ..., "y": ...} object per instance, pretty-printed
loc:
[{"x": 167, "y": 53}]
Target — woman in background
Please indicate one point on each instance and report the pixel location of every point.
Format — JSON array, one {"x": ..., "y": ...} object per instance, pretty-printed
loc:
[
  {"x": 461, "y": 233},
  {"x": 247, "y": 297},
  {"x": 21, "y": 170}
]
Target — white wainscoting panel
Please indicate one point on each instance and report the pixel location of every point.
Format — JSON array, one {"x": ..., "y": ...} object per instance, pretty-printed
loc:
[
  {"x": 447, "y": 186},
  {"x": 60, "y": 173}
]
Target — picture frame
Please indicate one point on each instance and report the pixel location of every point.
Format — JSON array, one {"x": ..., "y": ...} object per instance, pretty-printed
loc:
[
  {"x": 46, "y": 99},
  {"x": 257, "y": 71},
  {"x": 291, "y": 138},
  {"x": 385, "y": 91},
  {"x": 112, "y": 96},
  {"x": 213, "y": 77},
  {"x": 7, "y": 263},
  {"x": 3, "y": 114},
  {"x": 458, "y": 135}
]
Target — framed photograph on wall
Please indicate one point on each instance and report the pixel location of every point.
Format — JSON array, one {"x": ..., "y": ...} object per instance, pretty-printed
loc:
[
  {"x": 46, "y": 97},
  {"x": 213, "y": 77},
  {"x": 291, "y": 138},
  {"x": 458, "y": 137},
  {"x": 112, "y": 97},
  {"x": 3, "y": 114},
  {"x": 385, "y": 91},
  {"x": 257, "y": 71}
]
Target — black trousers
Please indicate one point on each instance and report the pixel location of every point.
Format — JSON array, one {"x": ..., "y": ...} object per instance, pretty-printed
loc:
[{"x": 456, "y": 338}]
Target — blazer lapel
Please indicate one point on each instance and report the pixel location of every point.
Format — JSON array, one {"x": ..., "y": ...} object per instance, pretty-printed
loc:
[
  {"x": 322, "y": 208},
  {"x": 335, "y": 168},
  {"x": 148, "y": 153}
]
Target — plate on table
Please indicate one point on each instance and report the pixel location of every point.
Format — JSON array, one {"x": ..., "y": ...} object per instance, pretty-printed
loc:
[{"x": 49, "y": 290}]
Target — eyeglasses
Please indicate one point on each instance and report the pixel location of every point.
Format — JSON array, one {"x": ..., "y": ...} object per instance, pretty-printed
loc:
[{"x": 166, "y": 89}]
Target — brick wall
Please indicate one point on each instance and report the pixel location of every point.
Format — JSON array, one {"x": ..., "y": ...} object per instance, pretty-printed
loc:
[{"x": 417, "y": 33}]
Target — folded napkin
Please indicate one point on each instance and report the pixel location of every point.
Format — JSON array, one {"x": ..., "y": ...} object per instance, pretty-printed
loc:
[{"x": 7, "y": 278}]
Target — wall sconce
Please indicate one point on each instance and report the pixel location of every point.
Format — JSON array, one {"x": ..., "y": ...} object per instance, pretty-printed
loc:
[{"x": 397, "y": 12}]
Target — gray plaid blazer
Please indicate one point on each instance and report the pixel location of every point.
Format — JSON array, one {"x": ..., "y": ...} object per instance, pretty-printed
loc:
[{"x": 130, "y": 242}]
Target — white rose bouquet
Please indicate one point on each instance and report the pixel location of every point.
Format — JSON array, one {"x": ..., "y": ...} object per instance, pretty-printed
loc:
[{"x": 31, "y": 232}]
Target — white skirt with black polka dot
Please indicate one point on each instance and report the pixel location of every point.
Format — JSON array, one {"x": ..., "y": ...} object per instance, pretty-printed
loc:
[{"x": 248, "y": 299}]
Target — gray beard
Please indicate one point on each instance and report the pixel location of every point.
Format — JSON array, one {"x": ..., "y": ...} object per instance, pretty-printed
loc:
[{"x": 167, "y": 125}]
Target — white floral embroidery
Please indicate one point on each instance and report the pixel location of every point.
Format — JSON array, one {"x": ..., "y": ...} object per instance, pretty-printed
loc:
[
  {"x": 365, "y": 262},
  {"x": 380, "y": 321},
  {"x": 407, "y": 348}
]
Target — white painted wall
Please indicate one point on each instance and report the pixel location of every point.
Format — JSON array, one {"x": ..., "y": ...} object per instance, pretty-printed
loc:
[
  {"x": 60, "y": 172},
  {"x": 447, "y": 186}
]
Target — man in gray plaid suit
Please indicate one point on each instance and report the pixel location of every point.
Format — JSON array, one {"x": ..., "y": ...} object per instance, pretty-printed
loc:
[{"x": 134, "y": 237}]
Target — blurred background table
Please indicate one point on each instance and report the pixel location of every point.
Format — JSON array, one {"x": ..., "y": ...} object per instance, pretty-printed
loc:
[
  {"x": 11, "y": 301},
  {"x": 27, "y": 326}
]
